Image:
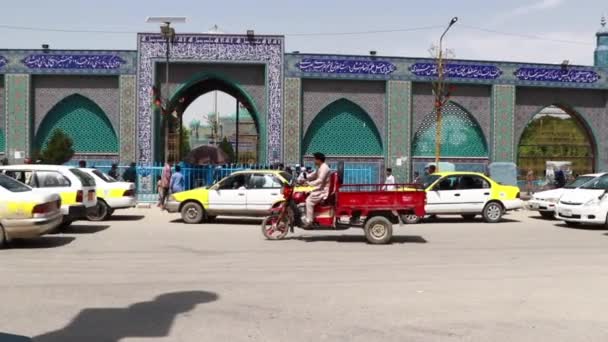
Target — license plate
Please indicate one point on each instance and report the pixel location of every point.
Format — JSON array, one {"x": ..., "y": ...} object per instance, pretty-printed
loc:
[
  {"x": 91, "y": 196},
  {"x": 566, "y": 212},
  {"x": 535, "y": 205}
]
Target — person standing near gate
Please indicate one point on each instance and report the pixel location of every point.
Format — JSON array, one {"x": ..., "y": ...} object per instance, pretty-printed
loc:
[
  {"x": 165, "y": 182},
  {"x": 177, "y": 180},
  {"x": 113, "y": 171},
  {"x": 390, "y": 180},
  {"x": 319, "y": 180}
]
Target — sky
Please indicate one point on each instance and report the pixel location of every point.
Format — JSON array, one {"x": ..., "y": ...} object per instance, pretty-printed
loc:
[{"x": 488, "y": 30}]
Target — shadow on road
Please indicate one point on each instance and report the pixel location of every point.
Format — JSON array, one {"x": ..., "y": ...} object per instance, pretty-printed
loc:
[
  {"x": 13, "y": 338},
  {"x": 127, "y": 217},
  {"x": 581, "y": 227},
  {"x": 47, "y": 241},
  {"x": 540, "y": 218},
  {"x": 226, "y": 220},
  {"x": 356, "y": 238},
  {"x": 460, "y": 220},
  {"x": 84, "y": 229},
  {"x": 144, "y": 319}
]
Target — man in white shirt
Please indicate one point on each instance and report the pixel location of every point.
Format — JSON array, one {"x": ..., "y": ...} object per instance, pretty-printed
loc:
[
  {"x": 390, "y": 180},
  {"x": 319, "y": 180}
]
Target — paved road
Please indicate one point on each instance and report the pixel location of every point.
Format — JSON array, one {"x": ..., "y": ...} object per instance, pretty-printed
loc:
[{"x": 146, "y": 278}]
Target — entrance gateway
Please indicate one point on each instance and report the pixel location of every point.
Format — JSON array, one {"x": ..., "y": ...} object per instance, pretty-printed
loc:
[{"x": 372, "y": 112}]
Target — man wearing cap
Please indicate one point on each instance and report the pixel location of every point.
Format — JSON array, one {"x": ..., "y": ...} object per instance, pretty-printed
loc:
[{"x": 319, "y": 180}]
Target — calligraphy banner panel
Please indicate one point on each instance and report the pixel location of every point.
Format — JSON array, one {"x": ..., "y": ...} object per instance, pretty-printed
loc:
[
  {"x": 73, "y": 61},
  {"x": 466, "y": 71},
  {"x": 562, "y": 75},
  {"x": 346, "y": 66}
]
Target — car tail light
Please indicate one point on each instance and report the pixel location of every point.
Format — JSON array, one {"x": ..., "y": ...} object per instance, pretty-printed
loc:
[
  {"x": 79, "y": 196},
  {"x": 44, "y": 208},
  {"x": 129, "y": 193}
]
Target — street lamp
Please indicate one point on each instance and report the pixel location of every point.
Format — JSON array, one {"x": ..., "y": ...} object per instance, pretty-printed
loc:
[
  {"x": 168, "y": 33},
  {"x": 441, "y": 96}
]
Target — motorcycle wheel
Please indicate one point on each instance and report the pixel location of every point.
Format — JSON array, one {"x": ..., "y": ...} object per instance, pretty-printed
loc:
[{"x": 273, "y": 229}]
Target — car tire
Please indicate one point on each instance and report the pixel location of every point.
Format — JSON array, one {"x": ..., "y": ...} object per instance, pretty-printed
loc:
[
  {"x": 410, "y": 219},
  {"x": 547, "y": 215},
  {"x": 192, "y": 213},
  {"x": 102, "y": 212},
  {"x": 492, "y": 212},
  {"x": 378, "y": 230},
  {"x": 469, "y": 217},
  {"x": 3, "y": 238}
]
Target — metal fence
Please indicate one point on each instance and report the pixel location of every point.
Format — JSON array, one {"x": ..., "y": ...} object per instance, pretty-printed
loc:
[{"x": 199, "y": 176}]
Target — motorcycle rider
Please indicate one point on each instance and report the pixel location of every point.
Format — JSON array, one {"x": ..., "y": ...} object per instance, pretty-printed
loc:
[{"x": 319, "y": 180}]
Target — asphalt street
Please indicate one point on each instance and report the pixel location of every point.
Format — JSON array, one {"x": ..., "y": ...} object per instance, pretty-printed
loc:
[{"x": 145, "y": 276}]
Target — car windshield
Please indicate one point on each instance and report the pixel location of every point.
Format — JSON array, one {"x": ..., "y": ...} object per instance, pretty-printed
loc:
[
  {"x": 578, "y": 182},
  {"x": 427, "y": 180},
  {"x": 600, "y": 183},
  {"x": 84, "y": 178},
  {"x": 105, "y": 177},
  {"x": 12, "y": 185}
]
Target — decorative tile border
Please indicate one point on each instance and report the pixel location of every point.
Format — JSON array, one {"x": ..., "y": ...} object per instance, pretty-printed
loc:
[
  {"x": 453, "y": 70},
  {"x": 128, "y": 118},
  {"x": 73, "y": 61},
  {"x": 291, "y": 120},
  {"x": 346, "y": 66},
  {"x": 399, "y": 94},
  {"x": 557, "y": 75},
  {"x": 213, "y": 48},
  {"x": 69, "y": 62},
  {"x": 17, "y": 113},
  {"x": 503, "y": 110}
]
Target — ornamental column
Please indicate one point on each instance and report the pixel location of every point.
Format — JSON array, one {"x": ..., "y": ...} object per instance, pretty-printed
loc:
[
  {"x": 399, "y": 129},
  {"x": 18, "y": 117},
  {"x": 503, "y": 123}
]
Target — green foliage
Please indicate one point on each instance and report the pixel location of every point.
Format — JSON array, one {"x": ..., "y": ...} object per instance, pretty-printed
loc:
[
  {"x": 226, "y": 146},
  {"x": 58, "y": 150}
]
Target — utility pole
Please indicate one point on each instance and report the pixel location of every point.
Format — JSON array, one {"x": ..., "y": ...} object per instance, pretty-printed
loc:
[{"x": 441, "y": 95}]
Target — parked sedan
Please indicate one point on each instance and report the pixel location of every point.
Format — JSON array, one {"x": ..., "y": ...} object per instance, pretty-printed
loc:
[
  {"x": 469, "y": 194},
  {"x": 25, "y": 213},
  {"x": 111, "y": 195},
  {"x": 545, "y": 202},
  {"x": 243, "y": 193},
  {"x": 586, "y": 205}
]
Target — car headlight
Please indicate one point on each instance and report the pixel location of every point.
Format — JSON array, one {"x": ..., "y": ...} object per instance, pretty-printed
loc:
[{"x": 594, "y": 201}]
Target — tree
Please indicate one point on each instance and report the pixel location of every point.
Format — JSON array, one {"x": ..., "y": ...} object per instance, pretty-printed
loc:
[
  {"x": 58, "y": 150},
  {"x": 226, "y": 146}
]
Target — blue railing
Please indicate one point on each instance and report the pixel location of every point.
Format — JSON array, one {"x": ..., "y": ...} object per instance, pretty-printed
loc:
[{"x": 199, "y": 176}]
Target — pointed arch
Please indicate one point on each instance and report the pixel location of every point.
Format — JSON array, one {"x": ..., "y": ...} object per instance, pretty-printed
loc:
[
  {"x": 343, "y": 128},
  {"x": 461, "y": 135},
  {"x": 83, "y": 121}
]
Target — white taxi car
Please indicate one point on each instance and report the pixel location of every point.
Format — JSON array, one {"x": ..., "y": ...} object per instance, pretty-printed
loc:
[
  {"x": 75, "y": 187},
  {"x": 586, "y": 205},
  {"x": 25, "y": 213},
  {"x": 243, "y": 193},
  {"x": 111, "y": 195},
  {"x": 545, "y": 202}
]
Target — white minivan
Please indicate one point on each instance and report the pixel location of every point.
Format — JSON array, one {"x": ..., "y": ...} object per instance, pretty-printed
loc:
[
  {"x": 586, "y": 205},
  {"x": 75, "y": 187}
]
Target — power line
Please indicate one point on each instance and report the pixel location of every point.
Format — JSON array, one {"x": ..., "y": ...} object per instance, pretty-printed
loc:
[
  {"x": 317, "y": 34},
  {"x": 527, "y": 36}
]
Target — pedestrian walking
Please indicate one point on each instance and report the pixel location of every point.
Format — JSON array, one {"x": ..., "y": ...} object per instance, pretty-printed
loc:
[
  {"x": 113, "y": 171},
  {"x": 530, "y": 182},
  {"x": 130, "y": 174},
  {"x": 165, "y": 182},
  {"x": 177, "y": 180},
  {"x": 390, "y": 180},
  {"x": 160, "y": 190}
]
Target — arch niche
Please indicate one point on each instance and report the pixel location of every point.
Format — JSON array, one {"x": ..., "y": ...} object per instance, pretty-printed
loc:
[{"x": 84, "y": 122}]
